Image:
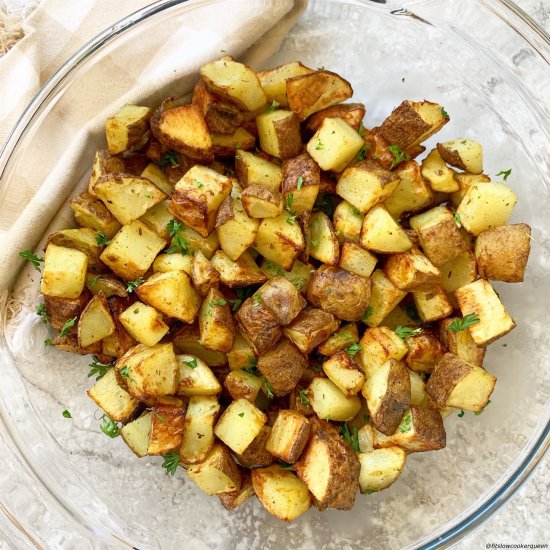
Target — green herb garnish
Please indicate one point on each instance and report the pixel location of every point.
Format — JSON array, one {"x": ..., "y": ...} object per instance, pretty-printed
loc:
[
  {"x": 109, "y": 427},
  {"x": 272, "y": 107},
  {"x": 467, "y": 321},
  {"x": 477, "y": 413},
  {"x": 171, "y": 158},
  {"x": 220, "y": 302},
  {"x": 242, "y": 295},
  {"x": 192, "y": 363},
  {"x": 406, "y": 424},
  {"x": 41, "y": 312},
  {"x": 303, "y": 397},
  {"x": 461, "y": 413},
  {"x": 457, "y": 220},
  {"x": 269, "y": 389},
  {"x": 48, "y": 342},
  {"x": 93, "y": 280},
  {"x": 444, "y": 112},
  {"x": 174, "y": 227},
  {"x": 66, "y": 414},
  {"x": 367, "y": 314},
  {"x": 319, "y": 145},
  {"x": 97, "y": 369},
  {"x": 398, "y": 155},
  {"x": 352, "y": 349},
  {"x": 241, "y": 414},
  {"x": 407, "y": 332},
  {"x": 171, "y": 462},
  {"x": 125, "y": 371},
  {"x": 299, "y": 183},
  {"x": 412, "y": 312},
  {"x": 101, "y": 239},
  {"x": 33, "y": 258},
  {"x": 361, "y": 129},
  {"x": 179, "y": 244},
  {"x": 199, "y": 184},
  {"x": 66, "y": 326},
  {"x": 352, "y": 438},
  {"x": 132, "y": 285},
  {"x": 505, "y": 173}
]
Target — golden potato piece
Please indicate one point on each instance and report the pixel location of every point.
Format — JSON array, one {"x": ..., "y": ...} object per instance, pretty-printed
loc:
[
  {"x": 432, "y": 305},
  {"x": 460, "y": 343},
  {"x": 310, "y": 328},
  {"x": 95, "y": 321},
  {"x": 282, "y": 298},
  {"x": 279, "y": 133},
  {"x": 301, "y": 178},
  {"x": 260, "y": 201},
  {"x": 273, "y": 81},
  {"x": 103, "y": 164},
  {"x": 127, "y": 128},
  {"x": 357, "y": 260},
  {"x": 60, "y": 310},
  {"x": 216, "y": 323},
  {"x": 166, "y": 425},
  {"x": 345, "y": 373},
  {"x": 186, "y": 339},
  {"x": 352, "y": 113},
  {"x": 144, "y": 323},
  {"x": 412, "y": 271},
  {"x": 289, "y": 436},
  {"x": 64, "y": 273},
  {"x": 91, "y": 212},
  {"x": 458, "y": 272},
  {"x": 438, "y": 174},
  {"x": 256, "y": 455},
  {"x": 347, "y": 221},
  {"x": 233, "y": 499},
  {"x": 384, "y": 298},
  {"x": 380, "y": 468},
  {"x": 424, "y": 351},
  {"x": 240, "y": 273},
  {"x": 136, "y": 434},
  {"x": 465, "y": 154},
  {"x": 381, "y": 233},
  {"x": 329, "y": 403},
  {"x": 255, "y": 170},
  {"x": 258, "y": 325},
  {"x": 195, "y": 377},
  {"x": 226, "y": 145},
  {"x": 241, "y": 384},
  {"x": 379, "y": 345},
  {"x": 345, "y": 337},
  {"x": 203, "y": 274}
]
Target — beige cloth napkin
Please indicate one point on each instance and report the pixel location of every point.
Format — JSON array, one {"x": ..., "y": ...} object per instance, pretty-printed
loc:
[{"x": 34, "y": 207}]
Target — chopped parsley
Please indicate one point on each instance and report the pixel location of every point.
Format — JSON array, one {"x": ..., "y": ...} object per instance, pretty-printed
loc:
[
  {"x": 93, "y": 280},
  {"x": 199, "y": 184},
  {"x": 66, "y": 414},
  {"x": 192, "y": 363},
  {"x": 33, "y": 258},
  {"x": 477, "y": 413},
  {"x": 125, "y": 371},
  {"x": 241, "y": 414},
  {"x": 41, "y": 312},
  {"x": 48, "y": 342},
  {"x": 274, "y": 105},
  {"x": 407, "y": 332},
  {"x": 269, "y": 390},
  {"x": 361, "y": 129},
  {"x": 101, "y": 239},
  {"x": 406, "y": 424},
  {"x": 352, "y": 349},
  {"x": 467, "y": 321},
  {"x": 444, "y": 112},
  {"x": 220, "y": 302},
  {"x": 171, "y": 462},
  {"x": 299, "y": 182},
  {"x": 242, "y": 294},
  {"x": 461, "y": 413},
  {"x": 256, "y": 300},
  {"x": 132, "y": 285},
  {"x": 367, "y": 314},
  {"x": 303, "y": 397},
  {"x": 398, "y": 155},
  {"x": 174, "y": 227},
  {"x": 457, "y": 220},
  {"x": 362, "y": 153},
  {"x": 352, "y": 438},
  {"x": 505, "y": 173},
  {"x": 109, "y": 427},
  {"x": 97, "y": 369},
  {"x": 412, "y": 312},
  {"x": 292, "y": 217},
  {"x": 171, "y": 158},
  {"x": 319, "y": 146},
  {"x": 179, "y": 244},
  {"x": 66, "y": 326}
]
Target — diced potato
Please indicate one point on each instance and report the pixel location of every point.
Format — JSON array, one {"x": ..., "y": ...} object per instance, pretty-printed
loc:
[
  {"x": 282, "y": 298},
  {"x": 69, "y": 343},
  {"x": 240, "y": 273},
  {"x": 273, "y": 81},
  {"x": 502, "y": 252},
  {"x": 166, "y": 425},
  {"x": 399, "y": 316},
  {"x": 329, "y": 467},
  {"x": 242, "y": 384},
  {"x": 324, "y": 245},
  {"x": 458, "y": 272},
  {"x": 198, "y": 428},
  {"x": 91, "y": 212},
  {"x": 254, "y": 170},
  {"x": 456, "y": 383},
  {"x": 345, "y": 373},
  {"x": 82, "y": 239},
  {"x": 301, "y": 180},
  {"x": 365, "y": 438},
  {"x": 256, "y": 455},
  {"x": 226, "y": 145},
  {"x": 155, "y": 174},
  {"x": 173, "y": 262},
  {"x": 289, "y": 436},
  {"x": 380, "y": 468},
  {"x": 61, "y": 310},
  {"x": 411, "y": 270},
  {"x": 95, "y": 322},
  {"x": 171, "y": 293},
  {"x": 279, "y": 133},
  {"x": 347, "y": 222},
  {"x": 132, "y": 251},
  {"x": 195, "y": 242},
  {"x": 329, "y": 403},
  {"x": 465, "y": 154},
  {"x": 346, "y": 336},
  {"x": 311, "y": 92},
  {"x": 281, "y": 492},
  {"x": 424, "y": 351},
  {"x": 461, "y": 343},
  {"x": 235, "y": 82},
  {"x": 311, "y": 327},
  {"x": 203, "y": 274},
  {"x": 486, "y": 205},
  {"x": 64, "y": 273},
  {"x": 384, "y": 298},
  {"x": 418, "y": 388},
  {"x": 218, "y": 473},
  {"x": 465, "y": 181},
  {"x": 432, "y": 305},
  {"x": 216, "y": 323},
  {"x": 334, "y": 145},
  {"x": 381, "y": 233},
  {"x": 240, "y": 423},
  {"x": 108, "y": 284},
  {"x": 143, "y": 323},
  {"x": 357, "y": 260},
  {"x": 118, "y": 343},
  {"x": 114, "y": 400},
  {"x": 280, "y": 240},
  {"x": 480, "y": 298},
  {"x": 411, "y": 123},
  {"x": 195, "y": 377},
  {"x": 378, "y": 346},
  {"x": 104, "y": 164},
  {"x": 186, "y": 340},
  {"x": 299, "y": 275},
  {"x": 157, "y": 218},
  {"x": 136, "y": 434},
  {"x": 127, "y": 128},
  {"x": 233, "y": 499},
  {"x": 438, "y": 174},
  {"x": 241, "y": 354},
  {"x": 352, "y": 113},
  {"x": 261, "y": 202}
]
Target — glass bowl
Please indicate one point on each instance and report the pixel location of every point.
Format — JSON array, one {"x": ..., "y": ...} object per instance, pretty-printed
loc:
[{"x": 65, "y": 485}]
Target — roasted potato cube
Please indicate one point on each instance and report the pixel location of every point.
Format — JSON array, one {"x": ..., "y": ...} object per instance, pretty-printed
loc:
[
  {"x": 114, "y": 400},
  {"x": 235, "y": 82},
  {"x": 242, "y": 384},
  {"x": 108, "y": 284},
  {"x": 411, "y": 270},
  {"x": 438, "y": 174},
  {"x": 299, "y": 275},
  {"x": 226, "y": 145},
  {"x": 365, "y": 438},
  {"x": 465, "y": 154},
  {"x": 486, "y": 205},
  {"x": 502, "y": 252},
  {"x": 411, "y": 123},
  {"x": 418, "y": 389},
  {"x": 282, "y": 298},
  {"x": 412, "y": 192},
  {"x": 166, "y": 426},
  {"x": 281, "y": 492},
  {"x": 95, "y": 322},
  {"x": 155, "y": 174},
  {"x": 366, "y": 184},
  {"x": 424, "y": 351},
  {"x": 280, "y": 240},
  {"x": 347, "y": 222},
  {"x": 259, "y": 201},
  {"x": 61, "y": 310},
  {"x": 334, "y": 145},
  {"x": 329, "y": 467},
  {"x": 195, "y": 377},
  {"x": 323, "y": 243},
  {"x": 104, "y": 164},
  {"x": 256, "y": 455},
  {"x": 149, "y": 371},
  {"x": 69, "y": 343},
  {"x": 127, "y": 128},
  {"x": 357, "y": 260},
  {"x": 82, "y": 239},
  {"x": 258, "y": 325},
  {"x": 143, "y": 323},
  {"x": 233, "y": 499},
  {"x": 379, "y": 345},
  {"x": 352, "y": 113},
  {"x": 241, "y": 354},
  {"x": 381, "y": 233},
  {"x": 480, "y": 298},
  {"x": 118, "y": 343},
  {"x": 198, "y": 428},
  {"x": 432, "y": 305},
  {"x": 195, "y": 242},
  {"x": 311, "y": 327},
  {"x": 186, "y": 340},
  {"x": 157, "y": 218},
  {"x": 330, "y": 403},
  {"x": 64, "y": 273},
  {"x": 289, "y": 436},
  {"x": 254, "y": 170},
  {"x": 279, "y": 134},
  {"x": 203, "y": 274},
  {"x": 218, "y": 473},
  {"x": 339, "y": 292},
  {"x": 136, "y": 434},
  {"x": 384, "y": 298},
  {"x": 240, "y": 273},
  {"x": 312, "y": 92},
  {"x": 438, "y": 235},
  {"x": 345, "y": 373},
  {"x": 456, "y": 383},
  {"x": 240, "y": 423},
  {"x": 465, "y": 181},
  {"x": 216, "y": 323},
  {"x": 388, "y": 394},
  {"x": 173, "y": 262},
  {"x": 458, "y": 272},
  {"x": 273, "y": 81},
  {"x": 171, "y": 293},
  {"x": 301, "y": 178},
  {"x": 460, "y": 343},
  {"x": 380, "y": 468},
  {"x": 91, "y": 212},
  {"x": 197, "y": 197},
  {"x": 346, "y": 336},
  {"x": 132, "y": 251}
]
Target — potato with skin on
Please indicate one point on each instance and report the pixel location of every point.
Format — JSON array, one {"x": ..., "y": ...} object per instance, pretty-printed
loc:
[
  {"x": 115, "y": 401},
  {"x": 279, "y": 133},
  {"x": 203, "y": 274},
  {"x": 252, "y": 169},
  {"x": 424, "y": 351},
  {"x": 381, "y": 233},
  {"x": 241, "y": 354},
  {"x": 256, "y": 454},
  {"x": 260, "y": 201},
  {"x": 273, "y": 80},
  {"x": 110, "y": 285},
  {"x": 64, "y": 273},
  {"x": 186, "y": 340},
  {"x": 502, "y": 252},
  {"x": 198, "y": 428},
  {"x": 465, "y": 154},
  {"x": 384, "y": 298},
  {"x": 155, "y": 174},
  {"x": 226, "y": 145},
  {"x": 458, "y": 272},
  {"x": 323, "y": 244},
  {"x": 283, "y": 367},
  {"x": 411, "y": 270},
  {"x": 339, "y": 292},
  {"x": 289, "y": 436},
  {"x": 126, "y": 128},
  {"x": 438, "y": 174},
  {"x": 69, "y": 343},
  {"x": 103, "y": 164},
  {"x": 118, "y": 343},
  {"x": 90, "y": 212},
  {"x": 379, "y": 345},
  {"x": 175, "y": 261},
  {"x": 144, "y": 323},
  {"x": 312, "y": 92},
  {"x": 329, "y": 403},
  {"x": 61, "y": 310},
  {"x": 356, "y": 259},
  {"x": 347, "y": 221},
  {"x": 380, "y": 468},
  {"x": 216, "y": 323},
  {"x": 329, "y": 467},
  {"x": 282, "y": 298},
  {"x": 418, "y": 389},
  {"x": 157, "y": 218},
  {"x": 480, "y": 298},
  {"x": 334, "y": 145},
  {"x": 195, "y": 242},
  {"x": 411, "y": 123},
  {"x": 456, "y": 383},
  {"x": 460, "y": 343},
  {"x": 352, "y": 113},
  {"x": 95, "y": 321},
  {"x": 234, "y": 499},
  {"x": 195, "y": 377},
  {"x": 281, "y": 493},
  {"x": 82, "y": 239},
  {"x": 432, "y": 305},
  {"x": 465, "y": 181},
  {"x": 345, "y": 373},
  {"x": 301, "y": 177},
  {"x": 240, "y": 273},
  {"x": 166, "y": 425},
  {"x": 388, "y": 394},
  {"x": 341, "y": 339},
  {"x": 299, "y": 275},
  {"x": 136, "y": 434},
  {"x": 242, "y": 384}
]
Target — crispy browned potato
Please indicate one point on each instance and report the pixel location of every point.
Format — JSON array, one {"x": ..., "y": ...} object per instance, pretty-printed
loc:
[
  {"x": 273, "y": 80},
  {"x": 256, "y": 454},
  {"x": 120, "y": 341},
  {"x": 216, "y": 323},
  {"x": 322, "y": 240},
  {"x": 59, "y": 310},
  {"x": 239, "y": 273},
  {"x": 282, "y": 298},
  {"x": 127, "y": 128},
  {"x": 310, "y": 328},
  {"x": 380, "y": 468},
  {"x": 411, "y": 270},
  {"x": 279, "y": 134},
  {"x": 339, "y": 292},
  {"x": 255, "y": 170},
  {"x": 225, "y": 146},
  {"x": 103, "y": 164},
  {"x": 352, "y": 113},
  {"x": 166, "y": 426},
  {"x": 203, "y": 274},
  {"x": 242, "y": 384},
  {"x": 108, "y": 284},
  {"x": 378, "y": 345},
  {"x": 186, "y": 339},
  {"x": 144, "y": 323},
  {"x": 289, "y": 436},
  {"x": 91, "y": 212},
  {"x": 345, "y": 373},
  {"x": 301, "y": 178},
  {"x": 425, "y": 351},
  {"x": 95, "y": 321},
  {"x": 260, "y": 201},
  {"x": 460, "y": 343},
  {"x": 329, "y": 467},
  {"x": 233, "y": 499},
  {"x": 283, "y": 367},
  {"x": 69, "y": 343},
  {"x": 346, "y": 336},
  {"x": 465, "y": 154}
]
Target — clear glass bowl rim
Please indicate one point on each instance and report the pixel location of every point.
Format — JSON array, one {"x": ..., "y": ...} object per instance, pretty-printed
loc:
[{"x": 508, "y": 11}]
